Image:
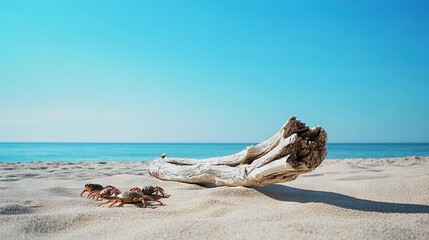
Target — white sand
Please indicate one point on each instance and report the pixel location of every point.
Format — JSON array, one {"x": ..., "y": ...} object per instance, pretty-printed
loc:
[{"x": 342, "y": 199}]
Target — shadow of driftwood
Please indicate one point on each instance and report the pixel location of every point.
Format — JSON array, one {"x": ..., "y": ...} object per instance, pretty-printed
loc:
[{"x": 291, "y": 194}]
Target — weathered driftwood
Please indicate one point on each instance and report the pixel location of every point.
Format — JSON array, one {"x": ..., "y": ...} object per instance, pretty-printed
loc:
[{"x": 294, "y": 150}]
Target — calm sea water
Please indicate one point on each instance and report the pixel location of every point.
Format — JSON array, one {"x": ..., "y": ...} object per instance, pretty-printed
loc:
[{"x": 73, "y": 152}]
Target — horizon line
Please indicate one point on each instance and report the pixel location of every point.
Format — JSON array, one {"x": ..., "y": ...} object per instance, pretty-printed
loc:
[{"x": 76, "y": 142}]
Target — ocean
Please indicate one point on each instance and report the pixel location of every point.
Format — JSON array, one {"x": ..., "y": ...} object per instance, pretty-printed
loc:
[{"x": 75, "y": 152}]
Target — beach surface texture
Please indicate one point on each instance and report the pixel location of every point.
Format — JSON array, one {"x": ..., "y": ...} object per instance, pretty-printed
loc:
[{"x": 341, "y": 199}]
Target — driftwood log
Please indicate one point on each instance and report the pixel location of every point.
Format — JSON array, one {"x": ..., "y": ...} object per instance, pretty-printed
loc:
[{"x": 294, "y": 150}]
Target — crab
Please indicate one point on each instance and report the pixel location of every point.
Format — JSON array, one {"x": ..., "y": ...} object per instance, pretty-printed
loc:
[
  {"x": 97, "y": 190},
  {"x": 150, "y": 190},
  {"x": 91, "y": 187},
  {"x": 130, "y": 197},
  {"x": 107, "y": 192}
]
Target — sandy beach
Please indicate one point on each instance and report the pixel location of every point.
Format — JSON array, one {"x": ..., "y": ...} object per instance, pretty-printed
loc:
[{"x": 342, "y": 199}]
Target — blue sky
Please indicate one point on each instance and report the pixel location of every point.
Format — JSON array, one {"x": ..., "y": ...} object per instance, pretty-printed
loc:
[{"x": 213, "y": 71}]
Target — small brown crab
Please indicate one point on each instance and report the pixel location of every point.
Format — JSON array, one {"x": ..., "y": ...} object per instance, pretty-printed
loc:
[
  {"x": 91, "y": 187},
  {"x": 130, "y": 197},
  {"x": 150, "y": 190},
  {"x": 107, "y": 192},
  {"x": 97, "y": 190}
]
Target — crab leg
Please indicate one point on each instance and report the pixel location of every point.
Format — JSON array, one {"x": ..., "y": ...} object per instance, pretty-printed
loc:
[
  {"x": 115, "y": 201},
  {"x": 85, "y": 190},
  {"x": 95, "y": 195},
  {"x": 91, "y": 194},
  {"x": 109, "y": 201},
  {"x": 159, "y": 190},
  {"x": 151, "y": 198},
  {"x": 136, "y": 189},
  {"x": 141, "y": 199},
  {"x": 98, "y": 196}
]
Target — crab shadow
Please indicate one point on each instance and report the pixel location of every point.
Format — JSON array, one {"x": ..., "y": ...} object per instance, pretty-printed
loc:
[
  {"x": 149, "y": 204},
  {"x": 291, "y": 194},
  {"x": 140, "y": 205}
]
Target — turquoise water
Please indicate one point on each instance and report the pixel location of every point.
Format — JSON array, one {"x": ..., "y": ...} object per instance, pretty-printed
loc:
[{"x": 74, "y": 152}]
